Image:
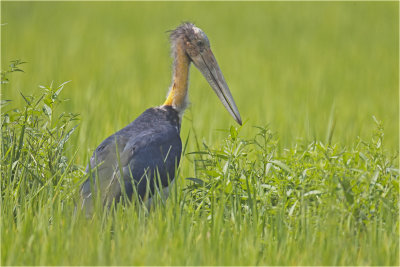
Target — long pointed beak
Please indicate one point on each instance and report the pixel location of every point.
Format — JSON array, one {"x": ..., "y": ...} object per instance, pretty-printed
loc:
[{"x": 208, "y": 66}]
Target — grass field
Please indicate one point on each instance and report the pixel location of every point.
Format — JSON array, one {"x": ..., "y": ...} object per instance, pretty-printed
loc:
[{"x": 317, "y": 184}]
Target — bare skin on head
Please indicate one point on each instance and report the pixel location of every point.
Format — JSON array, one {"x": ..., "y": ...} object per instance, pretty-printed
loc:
[{"x": 190, "y": 44}]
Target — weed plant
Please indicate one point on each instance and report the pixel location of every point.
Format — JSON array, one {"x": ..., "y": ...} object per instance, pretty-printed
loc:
[{"x": 248, "y": 203}]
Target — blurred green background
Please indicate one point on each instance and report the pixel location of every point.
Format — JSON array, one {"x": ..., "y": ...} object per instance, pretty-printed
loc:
[{"x": 291, "y": 65}]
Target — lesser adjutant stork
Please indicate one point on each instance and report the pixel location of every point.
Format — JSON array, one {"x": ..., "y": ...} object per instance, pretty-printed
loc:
[{"x": 150, "y": 147}]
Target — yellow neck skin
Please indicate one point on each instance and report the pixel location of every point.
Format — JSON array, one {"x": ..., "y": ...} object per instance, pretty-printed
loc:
[{"x": 178, "y": 92}]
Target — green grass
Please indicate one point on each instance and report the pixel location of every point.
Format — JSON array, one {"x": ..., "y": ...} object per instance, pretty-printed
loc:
[{"x": 318, "y": 186}]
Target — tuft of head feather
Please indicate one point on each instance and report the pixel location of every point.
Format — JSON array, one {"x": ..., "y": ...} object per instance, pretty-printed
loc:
[{"x": 186, "y": 29}]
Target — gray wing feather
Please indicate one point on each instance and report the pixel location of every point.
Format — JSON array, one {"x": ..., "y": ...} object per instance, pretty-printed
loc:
[{"x": 104, "y": 170}]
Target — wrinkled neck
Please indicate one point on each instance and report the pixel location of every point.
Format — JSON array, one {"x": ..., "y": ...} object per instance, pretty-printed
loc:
[{"x": 178, "y": 92}]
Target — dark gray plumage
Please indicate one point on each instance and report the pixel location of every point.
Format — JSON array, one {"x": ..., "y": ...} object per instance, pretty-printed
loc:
[{"x": 148, "y": 147}]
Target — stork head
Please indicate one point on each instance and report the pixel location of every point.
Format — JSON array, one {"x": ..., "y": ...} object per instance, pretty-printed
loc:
[{"x": 197, "y": 47}]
